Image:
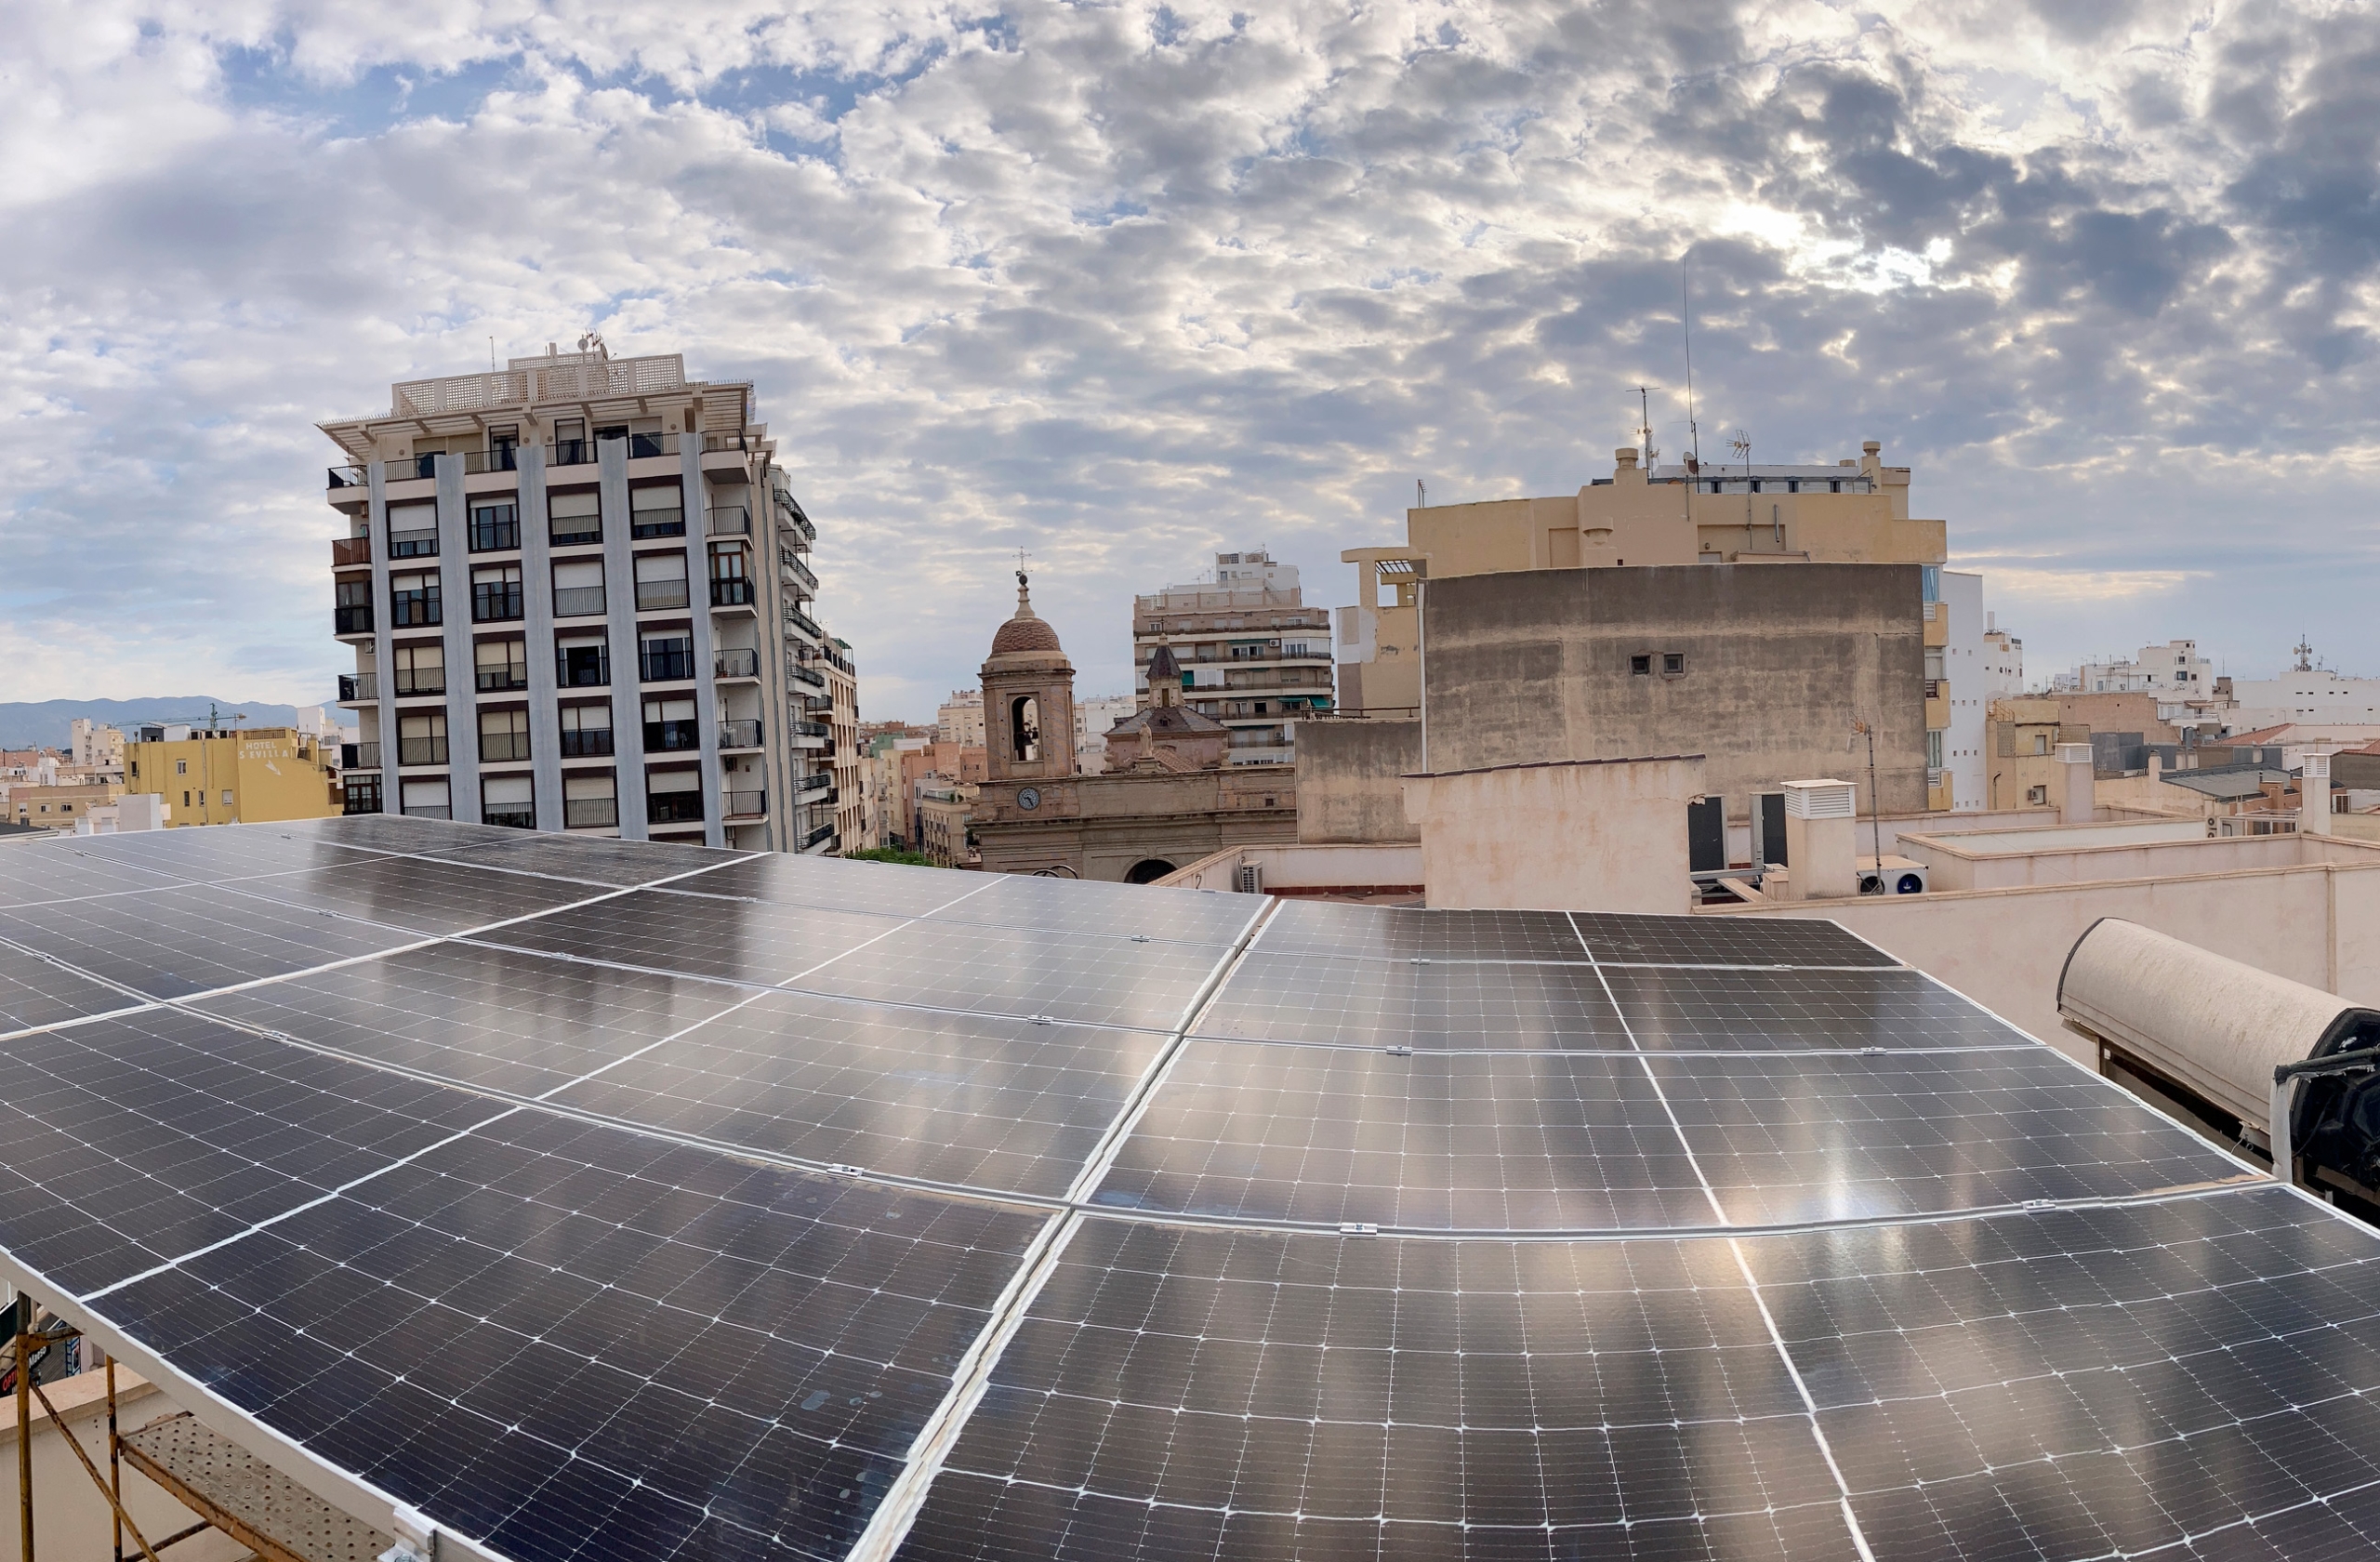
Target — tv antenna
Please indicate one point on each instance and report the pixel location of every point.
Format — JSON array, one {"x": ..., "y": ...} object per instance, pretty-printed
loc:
[
  {"x": 1741, "y": 442},
  {"x": 2304, "y": 655},
  {"x": 1644, "y": 423},
  {"x": 1685, "y": 297}
]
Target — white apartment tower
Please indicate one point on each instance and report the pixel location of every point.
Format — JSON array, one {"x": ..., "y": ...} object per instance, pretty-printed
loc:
[
  {"x": 577, "y": 593},
  {"x": 1253, "y": 655}
]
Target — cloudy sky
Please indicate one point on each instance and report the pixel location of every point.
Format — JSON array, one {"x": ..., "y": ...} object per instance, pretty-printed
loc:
[{"x": 1123, "y": 284}]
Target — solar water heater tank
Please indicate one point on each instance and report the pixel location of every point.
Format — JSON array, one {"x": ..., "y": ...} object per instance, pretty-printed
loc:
[{"x": 2221, "y": 1030}]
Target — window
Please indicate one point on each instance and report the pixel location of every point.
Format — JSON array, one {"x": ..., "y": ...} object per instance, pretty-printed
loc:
[
  {"x": 1933, "y": 750},
  {"x": 495, "y": 526},
  {"x": 1673, "y": 662},
  {"x": 571, "y": 448},
  {"x": 428, "y": 799},
  {"x": 501, "y": 665},
  {"x": 586, "y": 731},
  {"x": 182, "y": 767},
  {"x": 667, "y": 657},
  {"x": 2037, "y": 794},
  {"x": 413, "y": 600},
  {"x": 574, "y": 518},
  {"x": 660, "y": 583},
  {"x": 421, "y": 740},
  {"x": 673, "y": 797},
  {"x": 670, "y": 724},
  {"x": 508, "y": 800},
  {"x": 1641, "y": 666},
  {"x": 731, "y": 582},
  {"x": 1932, "y": 582},
  {"x": 657, "y": 512},
  {"x": 363, "y": 794},
  {"x": 590, "y": 801},
  {"x": 413, "y": 531},
  {"x": 352, "y": 613},
  {"x": 578, "y": 588},
  {"x": 2040, "y": 742},
  {"x": 496, "y": 593},
  {"x": 503, "y": 737},
  {"x": 582, "y": 661},
  {"x": 226, "y": 797},
  {"x": 420, "y": 668}
]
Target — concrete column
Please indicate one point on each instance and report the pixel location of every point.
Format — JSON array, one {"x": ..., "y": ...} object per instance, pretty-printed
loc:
[
  {"x": 2078, "y": 801},
  {"x": 538, "y": 631},
  {"x": 462, "y": 697},
  {"x": 696, "y": 500},
  {"x": 619, "y": 600}
]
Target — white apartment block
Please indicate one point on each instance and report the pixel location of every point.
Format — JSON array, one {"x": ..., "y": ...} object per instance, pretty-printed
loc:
[
  {"x": 2173, "y": 668},
  {"x": 2304, "y": 694},
  {"x": 577, "y": 592},
  {"x": 1253, "y": 655},
  {"x": 1093, "y": 716},
  {"x": 960, "y": 718},
  {"x": 2003, "y": 665},
  {"x": 1966, "y": 680}
]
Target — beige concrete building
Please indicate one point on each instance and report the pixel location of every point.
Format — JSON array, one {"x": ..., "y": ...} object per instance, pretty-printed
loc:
[
  {"x": 1854, "y": 512},
  {"x": 959, "y": 719},
  {"x": 59, "y": 805},
  {"x": 576, "y": 589},
  {"x": 1251, "y": 654},
  {"x": 237, "y": 775},
  {"x": 842, "y": 802},
  {"x": 96, "y": 747}
]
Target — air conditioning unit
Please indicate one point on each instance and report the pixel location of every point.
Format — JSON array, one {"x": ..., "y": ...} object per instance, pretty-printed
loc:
[{"x": 1892, "y": 875}]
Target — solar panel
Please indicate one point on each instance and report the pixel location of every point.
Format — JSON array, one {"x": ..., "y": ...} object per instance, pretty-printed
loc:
[{"x": 815, "y": 1209}]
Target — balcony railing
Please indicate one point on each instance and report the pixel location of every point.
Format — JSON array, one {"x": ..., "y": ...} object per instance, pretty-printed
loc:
[
  {"x": 665, "y": 666},
  {"x": 518, "y": 815},
  {"x": 589, "y": 812},
  {"x": 739, "y": 735},
  {"x": 586, "y": 743},
  {"x": 673, "y": 808},
  {"x": 729, "y": 521},
  {"x": 351, "y": 620},
  {"x": 821, "y": 833},
  {"x": 645, "y": 524},
  {"x": 796, "y": 616},
  {"x": 802, "y": 677},
  {"x": 502, "y": 747},
  {"x": 359, "y": 756},
  {"x": 505, "y": 679},
  {"x": 789, "y": 515},
  {"x": 643, "y": 446},
  {"x": 419, "y": 680},
  {"x": 737, "y": 593},
  {"x": 574, "y": 531},
  {"x": 497, "y": 536},
  {"x": 578, "y": 601},
  {"x": 654, "y": 596},
  {"x": 504, "y": 458},
  {"x": 349, "y": 477},
  {"x": 1937, "y": 688},
  {"x": 812, "y": 782},
  {"x": 735, "y": 662},
  {"x": 743, "y": 805},
  {"x": 496, "y": 603},
  {"x": 798, "y": 573},
  {"x": 349, "y": 551},
  {"x": 665, "y": 737},
  {"x": 421, "y": 750},
  {"x": 421, "y": 544},
  {"x": 717, "y": 441},
  {"x": 571, "y": 453},
  {"x": 809, "y": 729},
  {"x": 406, "y": 467},
  {"x": 354, "y": 688}
]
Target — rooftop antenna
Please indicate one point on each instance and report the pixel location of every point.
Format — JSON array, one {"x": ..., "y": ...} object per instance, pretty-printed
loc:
[
  {"x": 1420, "y": 494},
  {"x": 1741, "y": 442},
  {"x": 491, "y": 354},
  {"x": 1644, "y": 423},
  {"x": 2304, "y": 655},
  {"x": 1686, "y": 296}
]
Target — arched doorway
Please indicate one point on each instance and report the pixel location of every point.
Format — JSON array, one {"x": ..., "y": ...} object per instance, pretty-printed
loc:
[{"x": 1149, "y": 870}]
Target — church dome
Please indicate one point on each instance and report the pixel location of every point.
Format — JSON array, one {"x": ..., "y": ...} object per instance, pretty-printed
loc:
[{"x": 1026, "y": 631}]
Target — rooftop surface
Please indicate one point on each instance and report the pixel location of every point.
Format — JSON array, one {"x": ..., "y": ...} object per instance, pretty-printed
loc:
[{"x": 603, "y": 1200}]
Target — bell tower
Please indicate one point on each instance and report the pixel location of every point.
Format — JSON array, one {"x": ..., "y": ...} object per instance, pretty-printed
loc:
[{"x": 1028, "y": 699}]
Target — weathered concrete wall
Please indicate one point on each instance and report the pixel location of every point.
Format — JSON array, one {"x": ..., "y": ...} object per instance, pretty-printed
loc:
[
  {"x": 1301, "y": 867},
  {"x": 1596, "y": 835},
  {"x": 1524, "y": 666},
  {"x": 1350, "y": 785}
]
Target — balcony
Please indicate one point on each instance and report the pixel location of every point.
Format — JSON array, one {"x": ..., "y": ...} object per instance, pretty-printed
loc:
[
  {"x": 421, "y": 750},
  {"x": 359, "y": 756},
  {"x": 422, "y": 544},
  {"x": 504, "y": 458},
  {"x": 713, "y": 443},
  {"x": 739, "y": 735},
  {"x": 815, "y": 836},
  {"x": 673, "y": 808},
  {"x": 347, "y": 552},
  {"x": 789, "y": 515},
  {"x": 659, "y": 596},
  {"x": 578, "y": 601},
  {"x": 797, "y": 574},
  {"x": 405, "y": 468},
  {"x": 808, "y": 735},
  {"x": 730, "y": 520},
  {"x": 801, "y": 677},
  {"x": 642, "y": 446},
  {"x": 801, "y": 620},
  {"x": 590, "y": 813},
  {"x": 586, "y": 743},
  {"x": 571, "y": 453},
  {"x": 670, "y": 737},
  {"x": 745, "y": 805},
  {"x": 735, "y": 592},
  {"x": 735, "y": 662},
  {"x": 350, "y": 477},
  {"x": 414, "y": 610},
  {"x": 645, "y": 524},
  {"x": 356, "y": 687},
  {"x": 812, "y": 782},
  {"x": 666, "y": 666},
  {"x": 351, "y": 620}
]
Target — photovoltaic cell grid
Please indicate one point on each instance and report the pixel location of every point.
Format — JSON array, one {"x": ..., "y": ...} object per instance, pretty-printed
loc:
[{"x": 680, "y": 1311}]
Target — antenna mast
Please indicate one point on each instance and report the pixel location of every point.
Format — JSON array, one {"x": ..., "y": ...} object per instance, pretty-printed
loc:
[
  {"x": 1685, "y": 297},
  {"x": 1645, "y": 424}
]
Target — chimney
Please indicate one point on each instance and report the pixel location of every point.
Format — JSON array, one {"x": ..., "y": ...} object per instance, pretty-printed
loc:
[
  {"x": 2077, "y": 796},
  {"x": 2313, "y": 790},
  {"x": 1822, "y": 821}
]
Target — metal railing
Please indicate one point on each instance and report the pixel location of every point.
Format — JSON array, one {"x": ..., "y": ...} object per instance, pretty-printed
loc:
[
  {"x": 515, "y": 815},
  {"x": 496, "y": 602},
  {"x": 560, "y": 533},
  {"x": 588, "y": 672},
  {"x": 359, "y": 756},
  {"x": 670, "y": 737},
  {"x": 504, "y": 458},
  {"x": 673, "y": 808},
  {"x": 355, "y": 686},
  {"x": 732, "y": 592},
  {"x": 427, "y": 813},
  {"x": 811, "y": 782},
  {"x": 714, "y": 443},
  {"x": 735, "y": 662},
  {"x": 346, "y": 552},
  {"x": 643, "y": 523},
  {"x": 739, "y": 735},
  {"x": 586, "y": 743},
  {"x": 421, "y": 750},
  {"x": 743, "y": 805},
  {"x": 589, "y": 812},
  {"x": 505, "y": 679},
  {"x": 578, "y": 601},
  {"x": 799, "y": 573},
  {"x": 795, "y": 672},
  {"x": 729, "y": 521},
  {"x": 791, "y": 513},
  {"x": 641, "y": 447},
  {"x": 665, "y": 666},
  {"x": 809, "y": 729},
  {"x": 821, "y": 833},
  {"x": 571, "y": 453},
  {"x": 407, "y": 468},
  {"x": 421, "y": 544},
  {"x": 414, "y": 610},
  {"x": 494, "y": 535},
  {"x": 653, "y": 596},
  {"x": 503, "y": 747},
  {"x": 349, "y": 477},
  {"x": 796, "y": 616},
  {"x": 351, "y": 620}
]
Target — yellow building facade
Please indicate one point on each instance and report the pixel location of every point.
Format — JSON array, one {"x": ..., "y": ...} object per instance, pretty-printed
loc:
[{"x": 253, "y": 776}]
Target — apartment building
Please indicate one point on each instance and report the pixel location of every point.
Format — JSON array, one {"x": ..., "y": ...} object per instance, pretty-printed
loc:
[
  {"x": 577, "y": 592},
  {"x": 959, "y": 719},
  {"x": 1093, "y": 716},
  {"x": 234, "y": 776},
  {"x": 2004, "y": 667},
  {"x": 1253, "y": 655},
  {"x": 2175, "y": 669},
  {"x": 1852, "y": 513},
  {"x": 845, "y": 794}
]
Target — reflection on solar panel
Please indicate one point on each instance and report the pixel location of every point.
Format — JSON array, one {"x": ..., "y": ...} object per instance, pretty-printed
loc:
[{"x": 609, "y": 1202}]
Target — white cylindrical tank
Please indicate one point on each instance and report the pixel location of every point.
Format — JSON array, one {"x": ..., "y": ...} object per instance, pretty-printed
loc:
[{"x": 2208, "y": 1023}]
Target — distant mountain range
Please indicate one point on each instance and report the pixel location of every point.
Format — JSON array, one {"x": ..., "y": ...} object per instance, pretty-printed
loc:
[{"x": 47, "y": 724}]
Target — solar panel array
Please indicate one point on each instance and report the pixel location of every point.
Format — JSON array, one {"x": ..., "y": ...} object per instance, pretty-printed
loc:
[{"x": 608, "y": 1200}]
